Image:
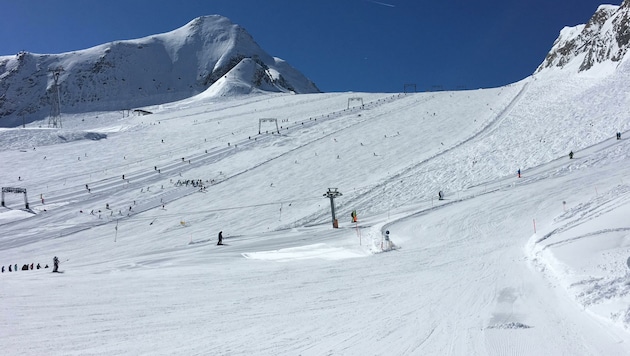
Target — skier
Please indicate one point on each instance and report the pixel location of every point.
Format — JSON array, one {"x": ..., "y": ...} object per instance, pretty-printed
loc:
[
  {"x": 354, "y": 216},
  {"x": 55, "y": 264},
  {"x": 220, "y": 238},
  {"x": 387, "y": 245},
  {"x": 10, "y": 268},
  {"x": 2, "y": 269},
  {"x": 571, "y": 155},
  {"x": 519, "y": 173},
  {"x": 440, "y": 196}
]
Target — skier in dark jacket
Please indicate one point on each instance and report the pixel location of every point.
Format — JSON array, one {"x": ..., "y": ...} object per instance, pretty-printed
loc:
[
  {"x": 55, "y": 264},
  {"x": 571, "y": 155},
  {"x": 220, "y": 238}
]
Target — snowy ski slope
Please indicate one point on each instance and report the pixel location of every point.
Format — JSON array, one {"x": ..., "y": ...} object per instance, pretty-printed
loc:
[{"x": 503, "y": 265}]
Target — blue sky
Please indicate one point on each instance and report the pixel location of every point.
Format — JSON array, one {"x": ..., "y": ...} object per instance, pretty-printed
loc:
[{"x": 341, "y": 45}]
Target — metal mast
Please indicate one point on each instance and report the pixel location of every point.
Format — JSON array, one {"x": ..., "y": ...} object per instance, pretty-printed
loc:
[
  {"x": 332, "y": 194},
  {"x": 55, "y": 109}
]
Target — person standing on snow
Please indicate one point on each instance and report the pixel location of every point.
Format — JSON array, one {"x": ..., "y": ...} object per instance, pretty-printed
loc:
[
  {"x": 519, "y": 173},
  {"x": 220, "y": 238},
  {"x": 387, "y": 245},
  {"x": 571, "y": 155},
  {"x": 55, "y": 264}
]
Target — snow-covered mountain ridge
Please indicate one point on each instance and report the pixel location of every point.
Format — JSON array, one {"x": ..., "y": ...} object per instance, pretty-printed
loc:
[
  {"x": 210, "y": 52},
  {"x": 601, "y": 43}
]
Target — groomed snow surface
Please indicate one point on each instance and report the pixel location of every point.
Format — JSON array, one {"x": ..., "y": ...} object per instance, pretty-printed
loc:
[{"x": 535, "y": 265}]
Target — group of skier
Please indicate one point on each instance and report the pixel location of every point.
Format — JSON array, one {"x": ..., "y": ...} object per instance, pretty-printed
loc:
[
  {"x": 199, "y": 182},
  {"x": 571, "y": 154},
  {"x": 26, "y": 267},
  {"x": 194, "y": 182},
  {"x": 617, "y": 135}
]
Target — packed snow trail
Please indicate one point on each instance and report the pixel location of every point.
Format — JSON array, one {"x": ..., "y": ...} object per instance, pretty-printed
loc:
[
  {"x": 455, "y": 287},
  {"x": 417, "y": 168},
  {"x": 107, "y": 189},
  {"x": 469, "y": 277}
]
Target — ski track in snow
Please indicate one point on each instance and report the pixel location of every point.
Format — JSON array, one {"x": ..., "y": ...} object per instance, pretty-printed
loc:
[
  {"x": 140, "y": 178},
  {"x": 468, "y": 275}
]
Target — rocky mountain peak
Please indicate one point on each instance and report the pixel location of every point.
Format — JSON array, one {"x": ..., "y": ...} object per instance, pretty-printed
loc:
[{"x": 605, "y": 38}]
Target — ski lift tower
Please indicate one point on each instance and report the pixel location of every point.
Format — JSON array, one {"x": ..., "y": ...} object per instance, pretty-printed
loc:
[
  {"x": 260, "y": 122},
  {"x": 55, "y": 109},
  {"x": 332, "y": 194},
  {"x": 410, "y": 88},
  {"x": 358, "y": 99}
]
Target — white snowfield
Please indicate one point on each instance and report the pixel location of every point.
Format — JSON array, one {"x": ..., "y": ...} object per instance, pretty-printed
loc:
[{"x": 535, "y": 265}]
